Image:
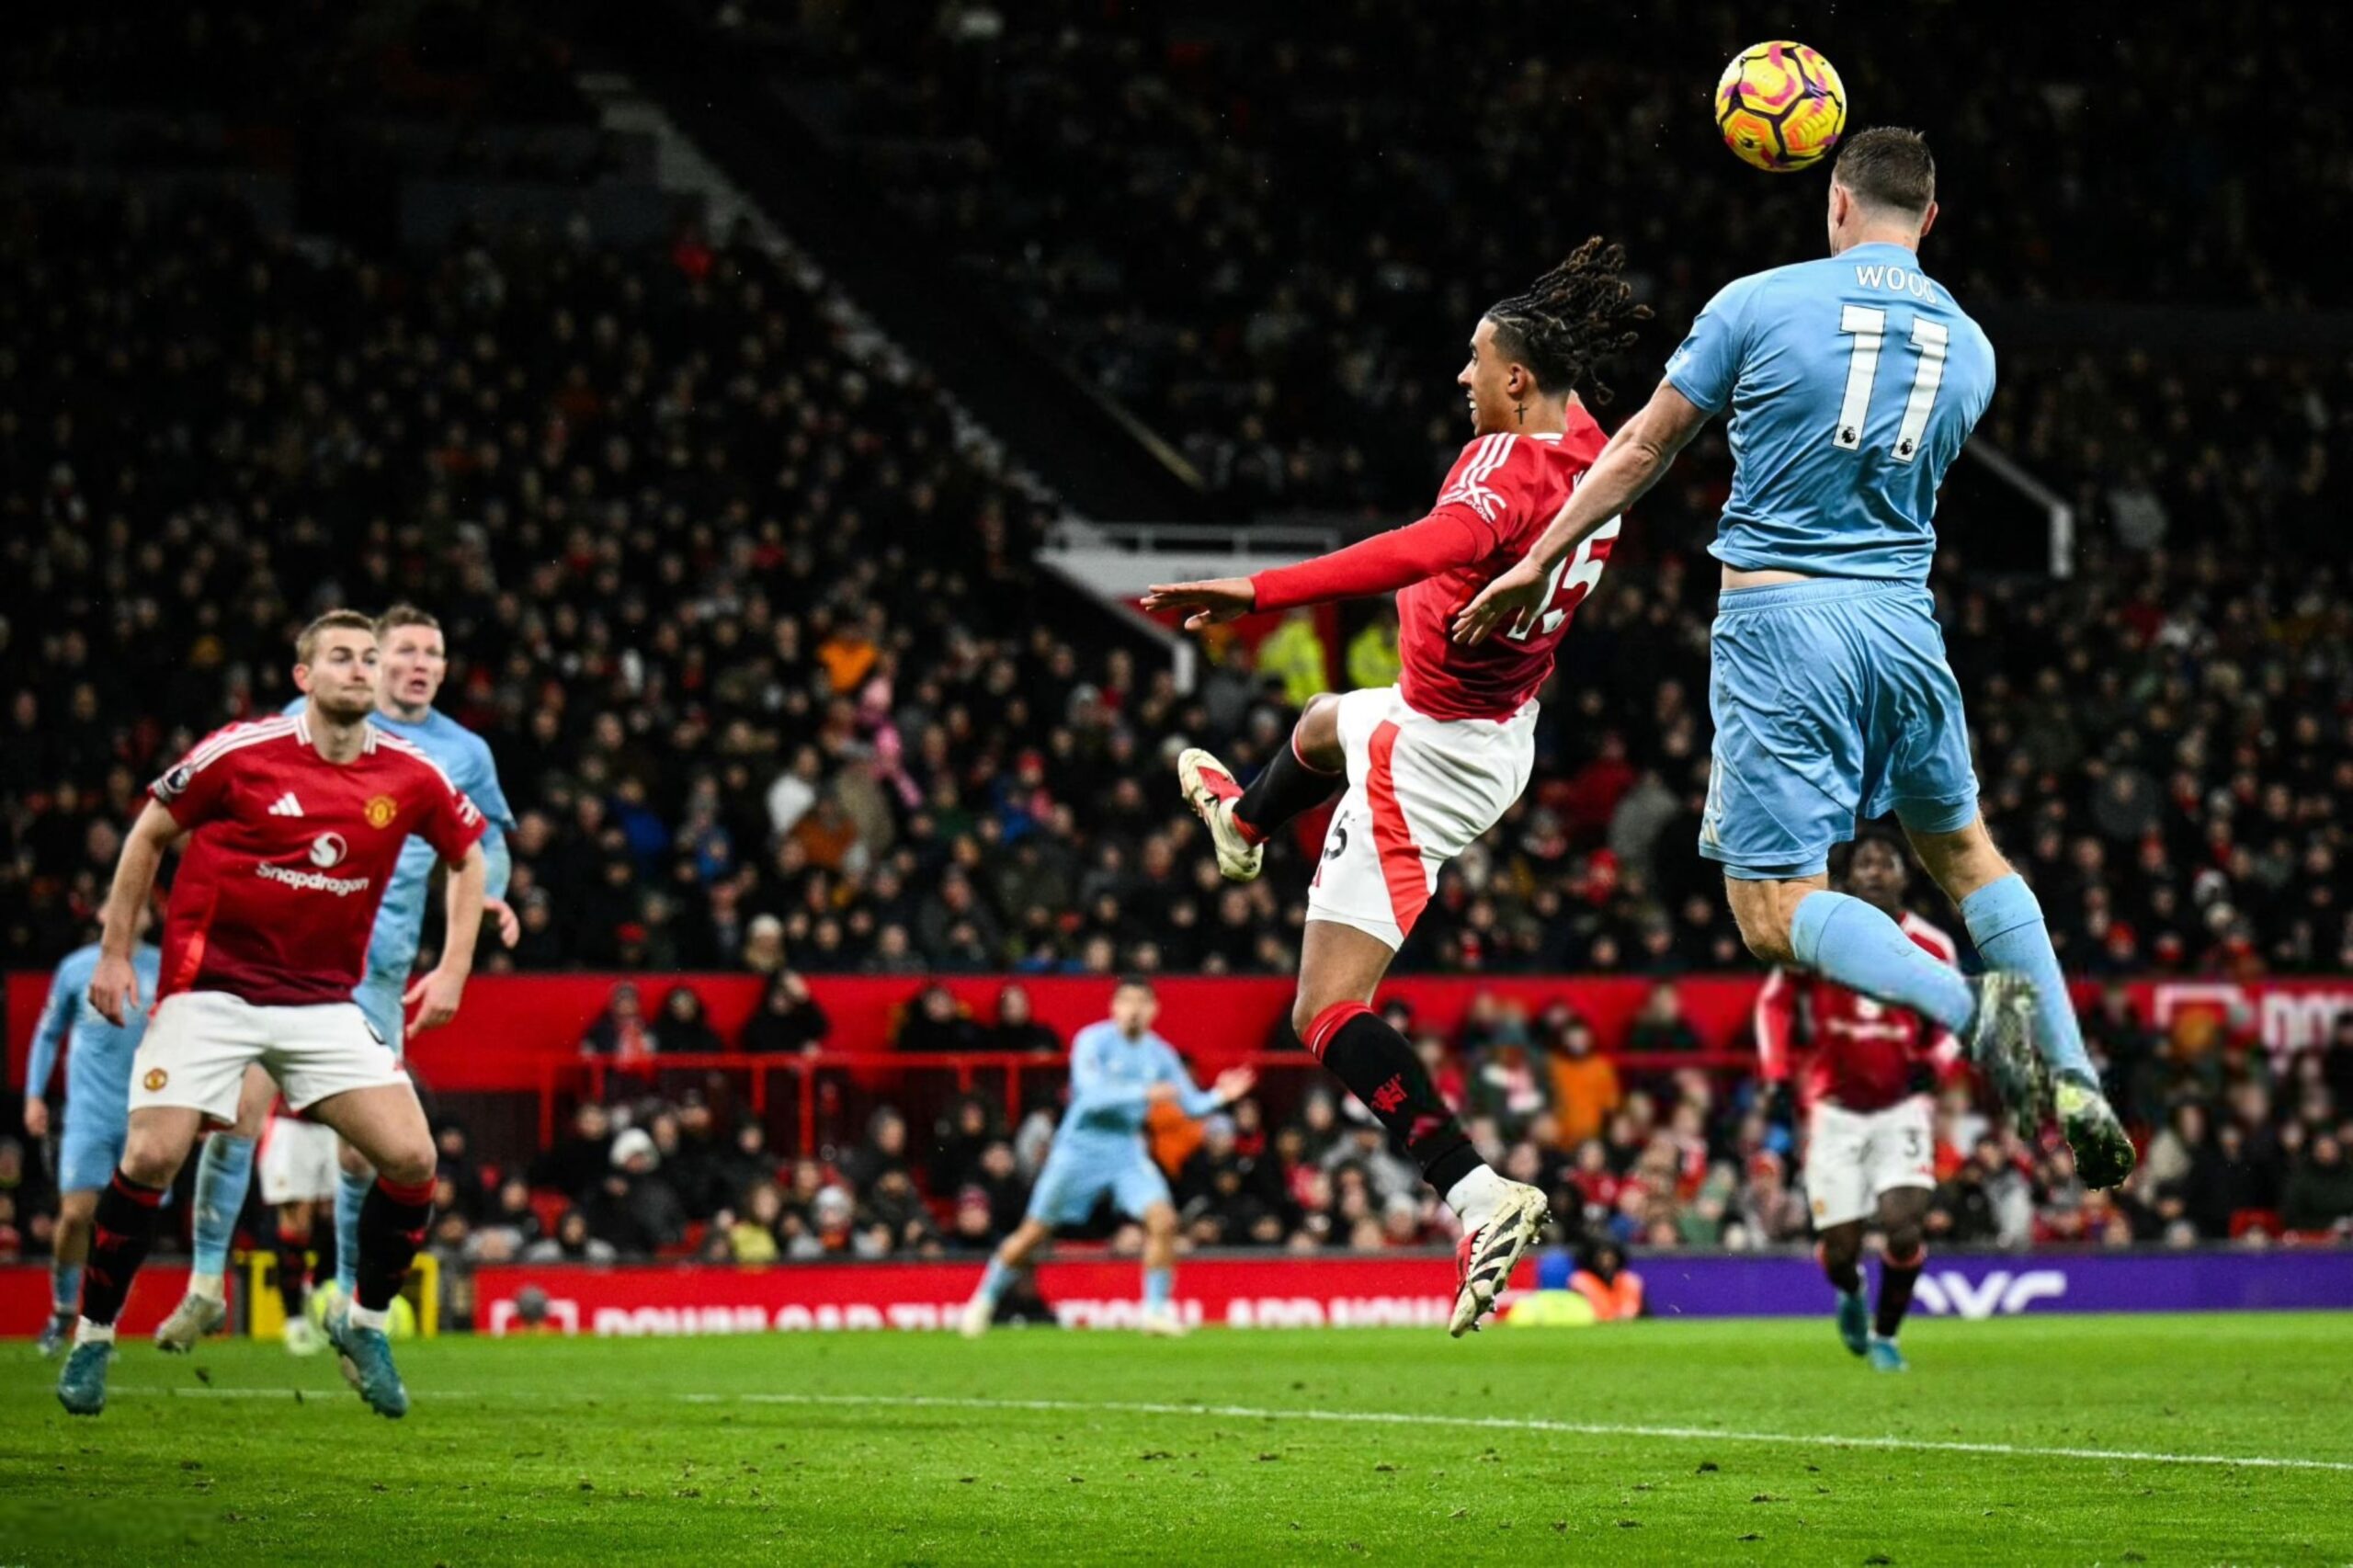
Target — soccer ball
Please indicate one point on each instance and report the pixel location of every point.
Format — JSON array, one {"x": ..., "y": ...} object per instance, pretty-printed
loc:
[{"x": 1781, "y": 107}]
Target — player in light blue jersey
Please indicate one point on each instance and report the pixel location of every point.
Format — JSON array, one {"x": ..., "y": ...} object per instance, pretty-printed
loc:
[
  {"x": 98, "y": 1111},
  {"x": 1118, "y": 1070},
  {"x": 1852, "y": 383},
  {"x": 412, "y": 663}
]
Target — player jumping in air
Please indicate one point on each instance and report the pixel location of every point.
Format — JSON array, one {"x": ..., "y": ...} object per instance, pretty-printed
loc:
[
  {"x": 294, "y": 827},
  {"x": 1118, "y": 1070},
  {"x": 412, "y": 662},
  {"x": 1869, "y": 1142},
  {"x": 1432, "y": 763},
  {"x": 1853, "y": 382},
  {"x": 97, "y": 1110}
]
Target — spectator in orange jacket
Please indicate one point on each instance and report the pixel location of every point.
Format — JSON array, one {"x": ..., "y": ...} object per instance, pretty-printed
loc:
[{"x": 1585, "y": 1082}]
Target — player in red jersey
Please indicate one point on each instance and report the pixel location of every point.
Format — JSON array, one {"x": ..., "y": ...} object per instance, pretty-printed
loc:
[
  {"x": 1430, "y": 764},
  {"x": 294, "y": 826},
  {"x": 1870, "y": 1140}
]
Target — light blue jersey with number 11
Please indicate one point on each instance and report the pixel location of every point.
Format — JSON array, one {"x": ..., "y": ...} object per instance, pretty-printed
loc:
[{"x": 1852, "y": 384}]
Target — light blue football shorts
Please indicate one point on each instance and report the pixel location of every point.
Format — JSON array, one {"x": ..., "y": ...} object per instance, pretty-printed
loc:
[
  {"x": 1833, "y": 702},
  {"x": 1079, "y": 1172}
]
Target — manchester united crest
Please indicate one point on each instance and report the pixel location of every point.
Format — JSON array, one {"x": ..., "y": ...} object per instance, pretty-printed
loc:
[
  {"x": 380, "y": 812},
  {"x": 156, "y": 1078}
]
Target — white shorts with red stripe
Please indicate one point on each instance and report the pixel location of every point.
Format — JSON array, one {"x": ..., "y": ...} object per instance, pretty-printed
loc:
[
  {"x": 1420, "y": 791},
  {"x": 298, "y": 1162}
]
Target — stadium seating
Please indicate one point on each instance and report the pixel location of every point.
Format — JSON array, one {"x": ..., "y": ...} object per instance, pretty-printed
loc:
[{"x": 753, "y": 625}]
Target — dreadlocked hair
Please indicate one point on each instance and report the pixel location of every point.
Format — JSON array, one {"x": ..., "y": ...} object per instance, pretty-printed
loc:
[{"x": 1571, "y": 320}]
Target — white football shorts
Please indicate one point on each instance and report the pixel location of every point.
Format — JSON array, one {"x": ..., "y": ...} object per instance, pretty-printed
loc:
[
  {"x": 1421, "y": 791},
  {"x": 298, "y": 1162},
  {"x": 199, "y": 1044},
  {"x": 1853, "y": 1156}
]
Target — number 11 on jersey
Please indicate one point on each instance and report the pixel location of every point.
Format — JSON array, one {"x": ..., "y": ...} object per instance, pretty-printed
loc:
[{"x": 1868, "y": 326}]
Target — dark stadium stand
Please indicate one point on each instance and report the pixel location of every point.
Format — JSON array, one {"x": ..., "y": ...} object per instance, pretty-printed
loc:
[{"x": 753, "y": 622}]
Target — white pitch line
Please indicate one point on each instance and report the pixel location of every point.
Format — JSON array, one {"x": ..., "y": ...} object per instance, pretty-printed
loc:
[
  {"x": 1366, "y": 1418},
  {"x": 1534, "y": 1424}
]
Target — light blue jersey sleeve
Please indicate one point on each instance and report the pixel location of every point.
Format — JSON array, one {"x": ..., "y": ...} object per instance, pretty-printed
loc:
[
  {"x": 1704, "y": 366},
  {"x": 1191, "y": 1098},
  {"x": 478, "y": 779},
  {"x": 67, "y": 990}
]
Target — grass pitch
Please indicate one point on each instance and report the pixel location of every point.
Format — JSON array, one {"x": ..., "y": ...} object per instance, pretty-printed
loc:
[{"x": 2074, "y": 1440}]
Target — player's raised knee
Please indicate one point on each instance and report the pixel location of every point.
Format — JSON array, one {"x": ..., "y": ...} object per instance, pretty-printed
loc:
[
  {"x": 407, "y": 1161},
  {"x": 153, "y": 1160}
]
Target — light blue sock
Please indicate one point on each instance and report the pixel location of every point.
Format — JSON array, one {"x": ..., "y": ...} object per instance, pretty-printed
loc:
[
  {"x": 994, "y": 1282},
  {"x": 222, "y": 1173},
  {"x": 350, "y": 1192},
  {"x": 65, "y": 1288},
  {"x": 2005, "y": 922},
  {"x": 1158, "y": 1284},
  {"x": 1862, "y": 950}
]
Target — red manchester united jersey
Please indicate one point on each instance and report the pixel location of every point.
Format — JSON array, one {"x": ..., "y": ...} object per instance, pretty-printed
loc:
[
  {"x": 1508, "y": 490},
  {"x": 1863, "y": 1051},
  {"x": 290, "y": 853}
]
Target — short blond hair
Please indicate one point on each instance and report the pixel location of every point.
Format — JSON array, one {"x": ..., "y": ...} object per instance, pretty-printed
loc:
[
  {"x": 306, "y": 644},
  {"x": 402, "y": 615}
]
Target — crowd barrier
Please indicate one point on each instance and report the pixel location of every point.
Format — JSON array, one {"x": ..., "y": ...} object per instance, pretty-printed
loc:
[
  {"x": 1282, "y": 1291},
  {"x": 1240, "y": 1291}
]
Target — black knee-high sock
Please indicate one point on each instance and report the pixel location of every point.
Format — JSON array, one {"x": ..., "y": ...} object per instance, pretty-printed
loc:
[
  {"x": 1844, "y": 1276},
  {"x": 1896, "y": 1279},
  {"x": 293, "y": 1270},
  {"x": 1380, "y": 1069},
  {"x": 392, "y": 1227},
  {"x": 119, "y": 1237},
  {"x": 1284, "y": 787}
]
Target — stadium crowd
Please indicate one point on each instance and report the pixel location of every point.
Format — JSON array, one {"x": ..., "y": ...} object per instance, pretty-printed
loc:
[
  {"x": 1294, "y": 327},
  {"x": 749, "y": 617},
  {"x": 2245, "y": 1149}
]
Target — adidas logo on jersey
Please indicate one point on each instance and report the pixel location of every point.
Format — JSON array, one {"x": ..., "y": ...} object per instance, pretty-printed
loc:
[{"x": 286, "y": 806}]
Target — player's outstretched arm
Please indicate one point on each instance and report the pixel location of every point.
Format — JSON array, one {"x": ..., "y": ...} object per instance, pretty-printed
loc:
[
  {"x": 435, "y": 996},
  {"x": 49, "y": 1044},
  {"x": 114, "y": 984},
  {"x": 1381, "y": 564},
  {"x": 1629, "y": 465},
  {"x": 1212, "y": 600}
]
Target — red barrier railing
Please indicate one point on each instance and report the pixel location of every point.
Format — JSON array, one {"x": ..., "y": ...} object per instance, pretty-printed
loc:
[{"x": 595, "y": 1074}]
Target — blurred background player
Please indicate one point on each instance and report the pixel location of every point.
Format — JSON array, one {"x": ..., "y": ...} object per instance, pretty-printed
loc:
[
  {"x": 1432, "y": 763},
  {"x": 413, "y": 660},
  {"x": 1866, "y": 1094},
  {"x": 1118, "y": 1070},
  {"x": 294, "y": 826},
  {"x": 98, "y": 1108},
  {"x": 298, "y": 1171},
  {"x": 1853, "y": 383}
]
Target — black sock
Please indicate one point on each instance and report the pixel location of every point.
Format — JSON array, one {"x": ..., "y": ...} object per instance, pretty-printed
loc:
[
  {"x": 1284, "y": 789},
  {"x": 1380, "y": 1069},
  {"x": 1846, "y": 1277},
  {"x": 293, "y": 1274},
  {"x": 1895, "y": 1281},
  {"x": 392, "y": 1227},
  {"x": 123, "y": 1231}
]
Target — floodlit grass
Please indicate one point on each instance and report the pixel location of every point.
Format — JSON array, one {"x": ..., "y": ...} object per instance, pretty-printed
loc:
[{"x": 1720, "y": 1443}]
